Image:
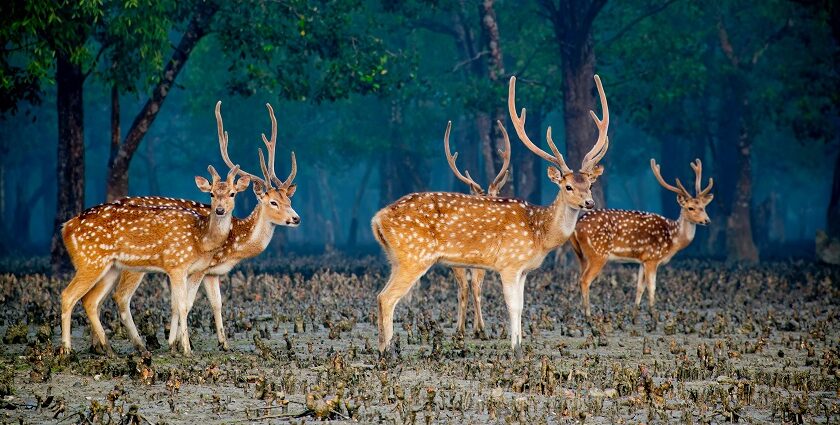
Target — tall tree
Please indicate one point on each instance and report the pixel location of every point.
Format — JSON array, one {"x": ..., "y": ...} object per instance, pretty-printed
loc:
[
  {"x": 198, "y": 26},
  {"x": 739, "y": 74},
  {"x": 35, "y": 32},
  {"x": 572, "y": 22}
]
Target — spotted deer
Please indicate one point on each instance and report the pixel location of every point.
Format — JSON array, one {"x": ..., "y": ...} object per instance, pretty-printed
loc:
[
  {"x": 248, "y": 237},
  {"x": 506, "y": 235},
  {"x": 641, "y": 237},
  {"x": 110, "y": 238},
  {"x": 477, "y": 274}
]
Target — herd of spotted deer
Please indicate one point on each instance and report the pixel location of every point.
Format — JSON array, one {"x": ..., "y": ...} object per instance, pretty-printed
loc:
[{"x": 194, "y": 243}]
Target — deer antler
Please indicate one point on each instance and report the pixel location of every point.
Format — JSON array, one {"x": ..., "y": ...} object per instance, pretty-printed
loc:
[
  {"x": 519, "y": 125},
  {"x": 697, "y": 166},
  {"x": 213, "y": 173},
  {"x": 504, "y": 172},
  {"x": 223, "y": 145},
  {"x": 658, "y": 174},
  {"x": 450, "y": 158},
  {"x": 600, "y": 149},
  {"x": 271, "y": 147}
]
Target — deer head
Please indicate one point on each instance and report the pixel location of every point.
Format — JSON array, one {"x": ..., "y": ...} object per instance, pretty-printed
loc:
[
  {"x": 273, "y": 194},
  {"x": 575, "y": 187},
  {"x": 693, "y": 207},
  {"x": 222, "y": 192}
]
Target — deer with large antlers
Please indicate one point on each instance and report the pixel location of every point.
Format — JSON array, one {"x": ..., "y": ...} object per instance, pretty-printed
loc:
[
  {"x": 248, "y": 237},
  {"x": 645, "y": 238},
  {"x": 477, "y": 274},
  {"x": 104, "y": 240},
  {"x": 506, "y": 235}
]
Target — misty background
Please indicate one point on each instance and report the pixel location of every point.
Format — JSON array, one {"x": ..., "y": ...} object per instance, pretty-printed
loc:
[{"x": 363, "y": 91}]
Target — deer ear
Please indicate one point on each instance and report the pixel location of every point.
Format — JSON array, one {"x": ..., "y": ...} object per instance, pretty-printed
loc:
[
  {"x": 291, "y": 190},
  {"x": 707, "y": 199},
  {"x": 555, "y": 175},
  {"x": 242, "y": 183},
  {"x": 595, "y": 173},
  {"x": 259, "y": 188},
  {"x": 202, "y": 183}
]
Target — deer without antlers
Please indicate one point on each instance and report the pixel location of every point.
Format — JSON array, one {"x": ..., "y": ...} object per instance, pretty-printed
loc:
[
  {"x": 646, "y": 238},
  {"x": 109, "y": 238},
  {"x": 248, "y": 237},
  {"x": 507, "y": 235},
  {"x": 477, "y": 274}
]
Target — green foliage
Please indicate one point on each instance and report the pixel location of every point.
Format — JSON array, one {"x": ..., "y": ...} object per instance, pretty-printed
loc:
[
  {"x": 135, "y": 37},
  {"x": 33, "y": 32}
]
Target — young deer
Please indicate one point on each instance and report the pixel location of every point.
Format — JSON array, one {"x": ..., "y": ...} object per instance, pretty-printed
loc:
[
  {"x": 633, "y": 236},
  {"x": 507, "y": 235},
  {"x": 113, "y": 237},
  {"x": 248, "y": 237},
  {"x": 477, "y": 273}
]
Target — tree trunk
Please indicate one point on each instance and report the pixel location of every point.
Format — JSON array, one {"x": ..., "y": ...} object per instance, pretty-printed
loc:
[
  {"x": 484, "y": 128},
  {"x": 572, "y": 24},
  {"x": 71, "y": 153},
  {"x": 833, "y": 217},
  {"x": 3, "y": 219},
  {"x": 465, "y": 41},
  {"x": 495, "y": 71},
  {"x": 357, "y": 203},
  {"x": 329, "y": 203},
  {"x": 578, "y": 100},
  {"x": 739, "y": 238},
  {"x": 119, "y": 165},
  {"x": 115, "y": 136}
]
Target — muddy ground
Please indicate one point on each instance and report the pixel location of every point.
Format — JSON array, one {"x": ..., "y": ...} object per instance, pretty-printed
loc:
[{"x": 756, "y": 345}]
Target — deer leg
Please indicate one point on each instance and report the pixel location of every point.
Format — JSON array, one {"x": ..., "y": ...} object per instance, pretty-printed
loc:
[
  {"x": 174, "y": 325},
  {"x": 173, "y": 321},
  {"x": 521, "y": 297},
  {"x": 477, "y": 280},
  {"x": 127, "y": 286},
  {"x": 82, "y": 282},
  {"x": 91, "y": 303},
  {"x": 511, "y": 282},
  {"x": 463, "y": 286},
  {"x": 180, "y": 293},
  {"x": 590, "y": 270},
  {"x": 650, "y": 275},
  {"x": 640, "y": 285},
  {"x": 401, "y": 280},
  {"x": 214, "y": 295},
  {"x": 190, "y": 293}
]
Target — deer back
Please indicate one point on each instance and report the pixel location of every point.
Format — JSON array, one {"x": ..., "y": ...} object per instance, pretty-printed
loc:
[
  {"x": 461, "y": 229},
  {"x": 630, "y": 235},
  {"x": 159, "y": 238}
]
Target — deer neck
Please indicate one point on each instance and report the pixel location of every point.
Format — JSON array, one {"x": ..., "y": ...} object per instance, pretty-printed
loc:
[
  {"x": 255, "y": 234},
  {"x": 217, "y": 229},
  {"x": 558, "y": 223},
  {"x": 685, "y": 232}
]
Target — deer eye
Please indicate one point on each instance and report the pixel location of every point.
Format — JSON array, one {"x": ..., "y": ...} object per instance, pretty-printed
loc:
[
  {"x": 691, "y": 208},
  {"x": 274, "y": 203},
  {"x": 568, "y": 187},
  {"x": 232, "y": 194}
]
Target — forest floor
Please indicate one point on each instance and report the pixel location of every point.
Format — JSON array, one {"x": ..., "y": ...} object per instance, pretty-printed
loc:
[{"x": 757, "y": 344}]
